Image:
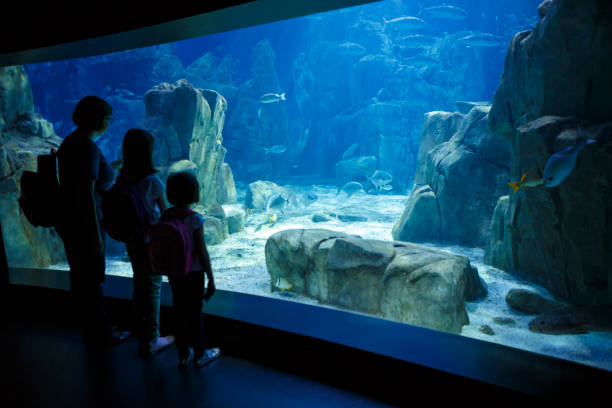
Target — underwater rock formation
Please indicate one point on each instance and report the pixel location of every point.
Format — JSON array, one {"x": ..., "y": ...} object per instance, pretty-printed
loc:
[
  {"x": 226, "y": 190},
  {"x": 236, "y": 215},
  {"x": 187, "y": 123},
  {"x": 206, "y": 73},
  {"x": 457, "y": 181},
  {"x": 572, "y": 41},
  {"x": 557, "y": 78},
  {"x": 267, "y": 195},
  {"x": 530, "y": 302},
  {"x": 23, "y": 136},
  {"x": 393, "y": 280},
  {"x": 215, "y": 230},
  {"x": 559, "y": 237}
]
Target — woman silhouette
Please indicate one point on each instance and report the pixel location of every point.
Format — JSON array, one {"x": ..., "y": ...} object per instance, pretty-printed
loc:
[{"x": 83, "y": 175}]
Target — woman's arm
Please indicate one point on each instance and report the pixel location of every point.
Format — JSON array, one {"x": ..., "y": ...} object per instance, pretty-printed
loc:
[{"x": 161, "y": 203}]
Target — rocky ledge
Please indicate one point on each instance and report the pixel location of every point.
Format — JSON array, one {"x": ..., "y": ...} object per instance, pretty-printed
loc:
[{"x": 390, "y": 279}]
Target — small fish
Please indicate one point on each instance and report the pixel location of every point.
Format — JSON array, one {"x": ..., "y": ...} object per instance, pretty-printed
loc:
[
  {"x": 421, "y": 61},
  {"x": 481, "y": 40},
  {"x": 272, "y": 98},
  {"x": 282, "y": 284},
  {"x": 525, "y": 183},
  {"x": 417, "y": 41},
  {"x": 259, "y": 113},
  {"x": 277, "y": 149},
  {"x": 562, "y": 163},
  {"x": 350, "y": 49},
  {"x": 446, "y": 11},
  {"x": 380, "y": 178},
  {"x": 272, "y": 219},
  {"x": 404, "y": 25},
  {"x": 351, "y": 188}
]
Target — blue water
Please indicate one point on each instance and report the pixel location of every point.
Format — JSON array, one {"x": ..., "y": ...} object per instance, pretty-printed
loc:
[
  {"x": 352, "y": 90},
  {"x": 326, "y": 111}
]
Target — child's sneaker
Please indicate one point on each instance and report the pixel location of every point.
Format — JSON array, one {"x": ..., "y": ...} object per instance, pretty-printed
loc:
[
  {"x": 209, "y": 355},
  {"x": 184, "y": 362}
]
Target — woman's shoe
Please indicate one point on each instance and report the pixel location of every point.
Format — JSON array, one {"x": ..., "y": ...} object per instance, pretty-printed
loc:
[
  {"x": 155, "y": 346},
  {"x": 209, "y": 355},
  {"x": 160, "y": 344}
]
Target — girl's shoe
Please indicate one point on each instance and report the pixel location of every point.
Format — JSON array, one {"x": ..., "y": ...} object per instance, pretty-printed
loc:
[
  {"x": 209, "y": 355},
  {"x": 184, "y": 362}
]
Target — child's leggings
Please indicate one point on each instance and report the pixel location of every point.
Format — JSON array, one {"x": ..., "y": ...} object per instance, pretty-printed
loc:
[{"x": 187, "y": 293}]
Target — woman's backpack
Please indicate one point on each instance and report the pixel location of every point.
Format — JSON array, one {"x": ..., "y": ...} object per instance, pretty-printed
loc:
[
  {"x": 125, "y": 217},
  {"x": 170, "y": 244},
  {"x": 40, "y": 191}
]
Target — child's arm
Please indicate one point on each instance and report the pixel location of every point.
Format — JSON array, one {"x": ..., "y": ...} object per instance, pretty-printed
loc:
[{"x": 202, "y": 253}]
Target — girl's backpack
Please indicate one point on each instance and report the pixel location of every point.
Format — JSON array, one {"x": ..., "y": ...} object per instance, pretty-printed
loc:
[
  {"x": 40, "y": 191},
  {"x": 125, "y": 215},
  {"x": 170, "y": 244}
]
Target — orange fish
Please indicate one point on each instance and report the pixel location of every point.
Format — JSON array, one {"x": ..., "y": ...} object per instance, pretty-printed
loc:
[{"x": 516, "y": 185}]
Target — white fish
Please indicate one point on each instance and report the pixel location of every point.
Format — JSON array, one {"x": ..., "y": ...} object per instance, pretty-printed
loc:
[
  {"x": 350, "y": 48},
  {"x": 351, "y": 188},
  {"x": 421, "y": 61},
  {"x": 481, "y": 40},
  {"x": 276, "y": 149},
  {"x": 272, "y": 98},
  {"x": 446, "y": 11},
  {"x": 416, "y": 41},
  {"x": 404, "y": 25}
]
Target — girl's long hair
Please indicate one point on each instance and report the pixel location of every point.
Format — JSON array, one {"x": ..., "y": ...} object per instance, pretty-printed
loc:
[{"x": 137, "y": 153}]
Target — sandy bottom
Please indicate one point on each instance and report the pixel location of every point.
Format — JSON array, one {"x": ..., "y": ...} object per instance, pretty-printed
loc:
[{"x": 239, "y": 265}]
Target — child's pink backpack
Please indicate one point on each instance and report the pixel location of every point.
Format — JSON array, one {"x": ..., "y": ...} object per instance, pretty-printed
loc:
[{"x": 170, "y": 244}]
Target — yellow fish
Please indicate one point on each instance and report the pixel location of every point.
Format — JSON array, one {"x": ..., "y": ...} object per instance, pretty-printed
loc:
[
  {"x": 273, "y": 218},
  {"x": 283, "y": 284},
  {"x": 525, "y": 183}
]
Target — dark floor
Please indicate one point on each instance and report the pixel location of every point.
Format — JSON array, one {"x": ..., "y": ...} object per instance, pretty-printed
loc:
[{"x": 47, "y": 366}]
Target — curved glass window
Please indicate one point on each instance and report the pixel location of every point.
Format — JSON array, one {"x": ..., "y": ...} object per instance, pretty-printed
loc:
[{"x": 371, "y": 159}]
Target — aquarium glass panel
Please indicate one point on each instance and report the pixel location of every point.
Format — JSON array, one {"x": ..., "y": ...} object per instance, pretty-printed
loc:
[{"x": 351, "y": 159}]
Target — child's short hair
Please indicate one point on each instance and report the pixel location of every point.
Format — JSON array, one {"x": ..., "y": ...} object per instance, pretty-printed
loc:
[
  {"x": 90, "y": 112},
  {"x": 182, "y": 189}
]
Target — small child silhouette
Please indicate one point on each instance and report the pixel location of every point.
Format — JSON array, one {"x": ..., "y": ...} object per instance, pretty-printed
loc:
[{"x": 182, "y": 190}]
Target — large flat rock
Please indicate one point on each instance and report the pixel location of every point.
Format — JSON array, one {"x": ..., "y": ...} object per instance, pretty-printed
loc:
[{"x": 391, "y": 279}]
